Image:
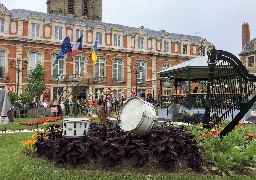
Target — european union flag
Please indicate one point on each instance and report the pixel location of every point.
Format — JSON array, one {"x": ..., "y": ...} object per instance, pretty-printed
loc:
[{"x": 65, "y": 48}]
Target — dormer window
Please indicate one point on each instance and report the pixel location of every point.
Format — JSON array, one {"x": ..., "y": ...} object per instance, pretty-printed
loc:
[
  {"x": 166, "y": 46},
  {"x": 1, "y": 25},
  {"x": 117, "y": 40},
  {"x": 58, "y": 33},
  {"x": 71, "y": 6},
  {"x": 250, "y": 61},
  {"x": 79, "y": 33},
  {"x": 185, "y": 49},
  {"x": 35, "y": 30},
  {"x": 85, "y": 8},
  {"x": 140, "y": 43},
  {"x": 99, "y": 38}
]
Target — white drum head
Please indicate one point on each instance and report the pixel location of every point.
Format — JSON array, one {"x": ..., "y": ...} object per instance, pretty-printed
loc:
[{"x": 131, "y": 114}]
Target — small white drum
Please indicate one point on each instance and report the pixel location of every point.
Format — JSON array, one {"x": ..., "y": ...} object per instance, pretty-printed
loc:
[
  {"x": 75, "y": 127},
  {"x": 137, "y": 116}
]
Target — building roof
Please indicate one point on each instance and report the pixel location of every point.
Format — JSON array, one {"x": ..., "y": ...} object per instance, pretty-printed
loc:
[
  {"x": 24, "y": 14},
  {"x": 248, "y": 47},
  {"x": 200, "y": 61}
]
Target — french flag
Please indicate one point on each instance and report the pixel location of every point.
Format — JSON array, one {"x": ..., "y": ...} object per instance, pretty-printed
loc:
[{"x": 77, "y": 46}]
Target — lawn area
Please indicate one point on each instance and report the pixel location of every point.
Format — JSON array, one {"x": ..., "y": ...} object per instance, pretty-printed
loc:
[
  {"x": 14, "y": 164},
  {"x": 16, "y": 124}
]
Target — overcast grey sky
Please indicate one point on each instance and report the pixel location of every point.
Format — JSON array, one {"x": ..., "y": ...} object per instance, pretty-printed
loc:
[{"x": 219, "y": 21}]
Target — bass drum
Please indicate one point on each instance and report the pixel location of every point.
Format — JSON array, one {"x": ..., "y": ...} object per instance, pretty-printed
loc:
[{"x": 137, "y": 116}]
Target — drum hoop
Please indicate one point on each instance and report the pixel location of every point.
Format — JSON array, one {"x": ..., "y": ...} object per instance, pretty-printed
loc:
[{"x": 142, "y": 112}]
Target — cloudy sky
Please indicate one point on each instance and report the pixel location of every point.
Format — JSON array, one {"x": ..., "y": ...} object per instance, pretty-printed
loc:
[{"x": 219, "y": 21}]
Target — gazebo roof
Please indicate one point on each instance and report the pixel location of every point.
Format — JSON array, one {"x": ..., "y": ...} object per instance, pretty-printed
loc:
[{"x": 196, "y": 68}]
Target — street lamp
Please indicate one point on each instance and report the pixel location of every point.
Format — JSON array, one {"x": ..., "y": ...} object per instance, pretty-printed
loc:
[
  {"x": 138, "y": 70},
  {"x": 18, "y": 70}
]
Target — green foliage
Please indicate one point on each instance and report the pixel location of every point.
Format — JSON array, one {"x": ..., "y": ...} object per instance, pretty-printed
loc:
[
  {"x": 35, "y": 81},
  {"x": 234, "y": 152}
]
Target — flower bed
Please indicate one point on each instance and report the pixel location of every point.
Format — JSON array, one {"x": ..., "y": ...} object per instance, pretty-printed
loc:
[
  {"x": 42, "y": 121},
  {"x": 108, "y": 145}
]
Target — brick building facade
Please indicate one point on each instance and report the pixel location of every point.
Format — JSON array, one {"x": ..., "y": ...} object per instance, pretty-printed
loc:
[
  {"x": 36, "y": 37},
  {"x": 247, "y": 56}
]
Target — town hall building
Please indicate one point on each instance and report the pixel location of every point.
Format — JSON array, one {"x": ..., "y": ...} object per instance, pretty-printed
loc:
[{"x": 127, "y": 56}]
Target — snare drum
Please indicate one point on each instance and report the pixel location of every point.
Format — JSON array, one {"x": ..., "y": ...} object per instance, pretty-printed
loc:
[{"x": 137, "y": 116}]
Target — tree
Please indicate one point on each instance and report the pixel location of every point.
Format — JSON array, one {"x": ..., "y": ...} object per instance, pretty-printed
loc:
[{"x": 35, "y": 82}]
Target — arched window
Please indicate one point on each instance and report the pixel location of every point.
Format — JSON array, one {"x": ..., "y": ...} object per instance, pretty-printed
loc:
[
  {"x": 71, "y": 6},
  {"x": 34, "y": 59}
]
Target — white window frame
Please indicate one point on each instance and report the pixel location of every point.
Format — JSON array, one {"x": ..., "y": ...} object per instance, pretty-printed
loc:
[
  {"x": 100, "y": 69},
  {"x": 79, "y": 33},
  {"x": 117, "y": 40},
  {"x": 34, "y": 58},
  {"x": 166, "y": 65},
  {"x": 3, "y": 63},
  {"x": 141, "y": 43},
  {"x": 185, "y": 51},
  {"x": 117, "y": 70},
  {"x": 166, "y": 47},
  {"x": 2, "y": 21},
  {"x": 58, "y": 30},
  {"x": 117, "y": 93},
  {"x": 57, "y": 64},
  {"x": 99, "y": 38},
  {"x": 248, "y": 61},
  {"x": 79, "y": 67},
  {"x": 35, "y": 30},
  {"x": 141, "y": 75}
]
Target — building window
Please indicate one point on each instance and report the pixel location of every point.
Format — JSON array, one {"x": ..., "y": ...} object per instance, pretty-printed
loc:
[
  {"x": 79, "y": 33},
  {"x": 166, "y": 65},
  {"x": 185, "y": 49},
  {"x": 167, "y": 92},
  {"x": 79, "y": 65},
  {"x": 85, "y": 7},
  {"x": 250, "y": 60},
  {"x": 71, "y": 6},
  {"x": 57, "y": 92},
  {"x": 99, "y": 93},
  {"x": 99, "y": 38},
  {"x": 1, "y": 25},
  {"x": 2, "y": 63},
  {"x": 141, "y": 93},
  {"x": 34, "y": 59},
  {"x": 140, "y": 43},
  {"x": 99, "y": 70},
  {"x": 57, "y": 66},
  {"x": 117, "y": 93},
  {"x": 58, "y": 33},
  {"x": 141, "y": 72},
  {"x": 166, "y": 46},
  {"x": 117, "y": 40},
  {"x": 202, "y": 51},
  {"x": 117, "y": 70},
  {"x": 35, "y": 30}
]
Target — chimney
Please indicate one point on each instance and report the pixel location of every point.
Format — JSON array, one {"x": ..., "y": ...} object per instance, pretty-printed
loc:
[{"x": 245, "y": 34}]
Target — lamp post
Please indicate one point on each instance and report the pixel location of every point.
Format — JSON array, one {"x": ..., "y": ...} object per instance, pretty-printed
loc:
[{"x": 18, "y": 69}]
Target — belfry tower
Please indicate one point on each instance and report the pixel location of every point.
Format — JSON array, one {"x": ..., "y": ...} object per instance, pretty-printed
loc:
[{"x": 85, "y": 9}]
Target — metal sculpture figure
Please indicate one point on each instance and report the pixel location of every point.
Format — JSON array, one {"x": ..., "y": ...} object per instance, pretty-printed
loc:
[{"x": 229, "y": 88}]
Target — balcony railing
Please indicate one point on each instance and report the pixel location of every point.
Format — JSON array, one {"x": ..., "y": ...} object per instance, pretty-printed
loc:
[
  {"x": 100, "y": 79},
  {"x": 117, "y": 80}
]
